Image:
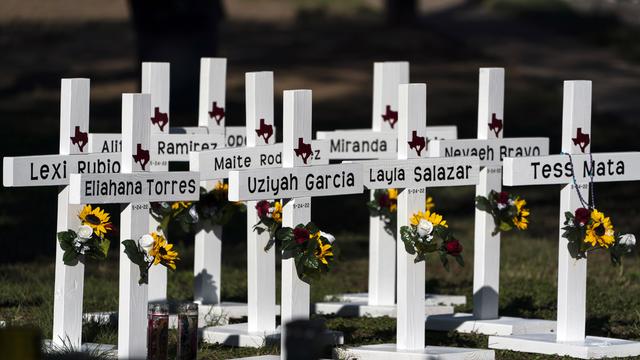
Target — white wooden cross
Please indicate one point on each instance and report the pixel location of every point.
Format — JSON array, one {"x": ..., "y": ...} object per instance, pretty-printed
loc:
[
  {"x": 298, "y": 181},
  {"x": 54, "y": 170},
  {"x": 380, "y": 142},
  {"x": 412, "y": 173},
  {"x": 572, "y": 273},
  {"x": 261, "y": 152},
  {"x": 491, "y": 147},
  {"x": 174, "y": 144},
  {"x": 135, "y": 187}
]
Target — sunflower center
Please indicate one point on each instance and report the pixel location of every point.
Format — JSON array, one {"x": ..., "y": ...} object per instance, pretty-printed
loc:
[
  {"x": 162, "y": 251},
  {"x": 92, "y": 219},
  {"x": 599, "y": 230}
]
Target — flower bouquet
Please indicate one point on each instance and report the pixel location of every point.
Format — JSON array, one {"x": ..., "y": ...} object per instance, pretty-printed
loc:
[
  {"x": 385, "y": 205},
  {"x": 270, "y": 215},
  {"x": 89, "y": 240},
  {"x": 429, "y": 233},
  {"x": 214, "y": 207},
  {"x": 508, "y": 211},
  {"x": 150, "y": 249},
  {"x": 589, "y": 229},
  {"x": 311, "y": 249},
  {"x": 181, "y": 211}
]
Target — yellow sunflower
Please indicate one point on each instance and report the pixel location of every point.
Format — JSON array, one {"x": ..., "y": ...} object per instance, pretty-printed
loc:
[
  {"x": 97, "y": 219},
  {"x": 161, "y": 251},
  {"x": 323, "y": 251},
  {"x": 276, "y": 215},
  {"x": 429, "y": 204},
  {"x": 393, "y": 199},
  {"x": 520, "y": 220},
  {"x": 432, "y": 217},
  {"x": 221, "y": 186},
  {"x": 178, "y": 205},
  {"x": 600, "y": 230}
]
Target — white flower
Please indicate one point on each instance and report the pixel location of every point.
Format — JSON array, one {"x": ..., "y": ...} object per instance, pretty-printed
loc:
[
  {"x": 330, "y": 238},
  {"x": 146, "y": 242},
  {"x": 627, "y": 239},
  {"x": 425, "y": 227},
  {"x": 502, "y": 206},
  {"x": 84, "y": 233}
]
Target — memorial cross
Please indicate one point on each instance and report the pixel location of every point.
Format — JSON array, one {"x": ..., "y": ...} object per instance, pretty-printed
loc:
[
  {"x": 380, "y": 142},
  {"x": 298, "y": 181},
  {"x": 574, "y": 172},
  {"x": 134, "y": 187},
  {"x": 491, "y": 147},
  {"x": 54, "y": 170},
  {"x": 412, "y": 173},
  {"x": 261, "y": 152}
]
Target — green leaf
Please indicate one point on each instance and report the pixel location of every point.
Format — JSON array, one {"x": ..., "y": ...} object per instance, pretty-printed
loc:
[
  {"x": 504, "y": 226},
  {"x": 66, "y": 239},
  {"x": 104, "y": 246},
  {"x": 133, "y": 252},
  {"x": 460, "y": 260},
  {"x": 70, "y": 258},
  {"x": 483, "y": 204}
]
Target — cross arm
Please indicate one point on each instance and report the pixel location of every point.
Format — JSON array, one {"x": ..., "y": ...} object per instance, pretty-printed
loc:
[
  {"x": 134, "y": 187},
  {"x": 295, "y": 182},
  {"x": 424, "y": 172},
  {"x": 558, "y": 169},
  {"x": 54, "y": 170},
  {"x": 490, "y": 151}
]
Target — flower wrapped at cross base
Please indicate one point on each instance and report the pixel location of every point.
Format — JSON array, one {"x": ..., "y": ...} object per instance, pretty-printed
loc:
[
  {"x": 148, "y": 250},
  {"x": 182, "y": 212},
  {"x": 270, "y": 215},
  {"x": 508, "y": 211},
  {"x": 89, "y": 240},
  {"x": 311, "y": 249},
  {"x": 589, "y": 229},
  {"x": 429, "y": 233},
  {"x": 214, "y": 207},
  {"x": 385, "y": 205}
]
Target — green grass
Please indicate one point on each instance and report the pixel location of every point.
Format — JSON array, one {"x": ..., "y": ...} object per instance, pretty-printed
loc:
[{"x": 527, "y": 284}]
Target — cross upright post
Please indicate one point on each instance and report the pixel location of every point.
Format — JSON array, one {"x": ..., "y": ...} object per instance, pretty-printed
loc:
[
  {"x": 574, "y": 169},
  {"x": 304, "y": 182},
  {"x": 491, "y": 147},
  {"x": 260, "y": 152},
  {"x": 380, "y": 142},
  {"x": 54, "y": 170},
  {"x": 412, "y": 173},
  {"x": 135, "y": 187}
]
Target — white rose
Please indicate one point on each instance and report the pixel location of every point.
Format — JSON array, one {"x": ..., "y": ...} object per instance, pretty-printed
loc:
[
  {"x": 627, "y": 239},
  {"x": 146, "y": 242},
  {"x": 330, "y": 238},
  {"x": 84, "y": 233},
  {"x": 425, "y": 227}
]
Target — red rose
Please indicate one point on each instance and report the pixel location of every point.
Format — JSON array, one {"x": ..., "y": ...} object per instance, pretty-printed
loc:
[
  {"x": 263, "y": 208},
  {"x": 384, "y": 201},
  {"x": 503, "y": 198},
  {"x": 454, "y": 248},
  {"x": 582, "y": 216},
  {"x": 300, "y": 235}
]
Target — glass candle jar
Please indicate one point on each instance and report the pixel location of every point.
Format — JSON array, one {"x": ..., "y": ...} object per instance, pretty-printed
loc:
[
  {"x": 157, "y": 331},
  {"x": 187, "y": 332}
]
